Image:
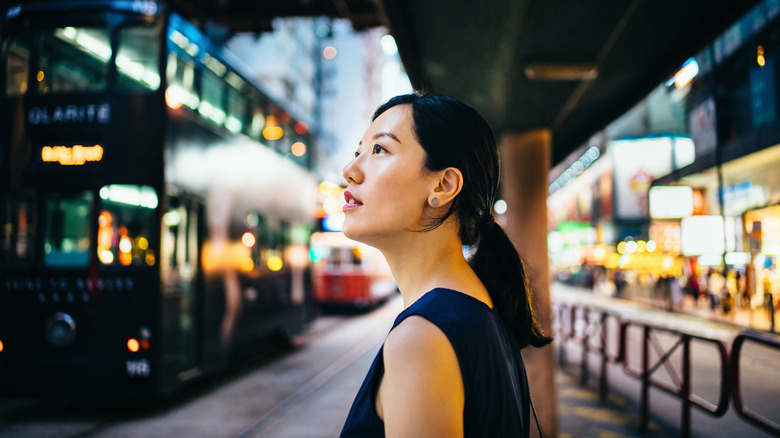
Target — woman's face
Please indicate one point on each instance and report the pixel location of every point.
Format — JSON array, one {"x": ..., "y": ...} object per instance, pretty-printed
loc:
[{"x": 387, "y": 186}]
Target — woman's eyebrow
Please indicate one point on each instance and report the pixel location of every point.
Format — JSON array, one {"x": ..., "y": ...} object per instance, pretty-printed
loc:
[
  {"x": 386, "y": 134},
  {"x": 383, "y": 134}
]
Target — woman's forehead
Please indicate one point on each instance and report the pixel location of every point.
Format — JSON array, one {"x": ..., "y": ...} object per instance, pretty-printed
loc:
[{"x": 397, "y": 120}]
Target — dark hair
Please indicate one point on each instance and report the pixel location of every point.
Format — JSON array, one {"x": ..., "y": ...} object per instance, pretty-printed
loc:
[{"x": 454, "y": 135}]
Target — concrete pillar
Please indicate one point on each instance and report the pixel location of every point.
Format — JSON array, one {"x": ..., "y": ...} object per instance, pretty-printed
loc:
[{"x": 525, "y": 163}]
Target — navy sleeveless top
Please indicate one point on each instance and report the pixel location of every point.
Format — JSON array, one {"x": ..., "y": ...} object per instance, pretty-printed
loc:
[{"x": 497, "y": 398}]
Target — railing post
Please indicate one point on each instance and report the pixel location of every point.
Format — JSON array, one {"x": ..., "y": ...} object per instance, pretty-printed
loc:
[
  {"x": 603, "y": 377},
  {"x": 645, "y": 396},
  {"x": 685, "y": 390},
  {"x": 585, "y": 341},
  {"x": 562, "y": 334}
]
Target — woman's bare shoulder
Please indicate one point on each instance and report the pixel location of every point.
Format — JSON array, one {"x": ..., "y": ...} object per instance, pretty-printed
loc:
[
  {"x": 414, "y": 335},
  {"x": 421, "y": 389}
]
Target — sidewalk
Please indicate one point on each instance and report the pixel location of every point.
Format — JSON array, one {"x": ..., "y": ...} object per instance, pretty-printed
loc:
[
  {"x": 581, "y": 414},
  {"x": 754, "y": 317}
]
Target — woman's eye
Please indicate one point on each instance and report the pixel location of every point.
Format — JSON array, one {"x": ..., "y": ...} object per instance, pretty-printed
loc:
[{"x": 378, "y": 149}]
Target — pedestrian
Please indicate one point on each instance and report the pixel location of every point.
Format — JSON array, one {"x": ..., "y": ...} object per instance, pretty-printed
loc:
[{"x": 421, "y": 185}]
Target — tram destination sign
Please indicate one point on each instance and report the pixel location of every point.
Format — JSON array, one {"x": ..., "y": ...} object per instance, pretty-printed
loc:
[
  {"x": 75, "y": 155},
  {"x": 69, "y": 114}
]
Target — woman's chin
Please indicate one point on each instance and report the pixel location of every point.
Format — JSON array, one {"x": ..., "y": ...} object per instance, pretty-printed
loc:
[
  {"x": 349, "y": 231},
  {"x": 352, "y": 231}
]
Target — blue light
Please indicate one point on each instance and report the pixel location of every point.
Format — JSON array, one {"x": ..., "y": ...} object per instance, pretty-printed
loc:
[{"x": 333, "y": 222}]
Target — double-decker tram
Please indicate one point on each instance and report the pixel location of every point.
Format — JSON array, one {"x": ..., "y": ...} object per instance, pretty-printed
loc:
[
  {"x": 347, "y": 273},
  {"x": 152, "y": 219}
]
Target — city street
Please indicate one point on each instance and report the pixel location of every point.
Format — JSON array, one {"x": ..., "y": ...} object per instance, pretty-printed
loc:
[
  {"x": 307, "y": 392},
  {"x": 303, "y": 393}
]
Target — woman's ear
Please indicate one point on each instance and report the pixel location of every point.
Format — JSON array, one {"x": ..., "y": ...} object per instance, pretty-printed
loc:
[{"x": 449, "y": 182}]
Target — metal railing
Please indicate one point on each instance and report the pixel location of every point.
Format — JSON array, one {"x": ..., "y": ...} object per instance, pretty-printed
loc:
[
  {"x": 584, "y": 324},
  {"x": 681, "y": 384},
  {"x": 746, "y": 414}
]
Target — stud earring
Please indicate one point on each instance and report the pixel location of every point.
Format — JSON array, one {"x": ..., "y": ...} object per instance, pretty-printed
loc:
[{"x": 435, "y": 201}]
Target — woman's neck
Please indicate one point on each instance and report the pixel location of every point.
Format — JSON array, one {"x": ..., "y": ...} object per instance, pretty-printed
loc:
[{"x": 422, "y": 261}]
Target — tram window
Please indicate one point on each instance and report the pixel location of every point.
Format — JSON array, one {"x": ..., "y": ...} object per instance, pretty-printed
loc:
[
  {"x": 137, "y": 58},
  {"x": 181, "y": 83},
  {"x": 66, "y": 229},
  {"x": 17, "y": 66},
  {"x": 258, "y": 122},
  {"x": 16, "y": 231},
  {"x": 73, "y": 59},
  {"x": 126, "y": 225},
  {"x": 236, "y": 111},
  {"x": 211, "y": 105}
]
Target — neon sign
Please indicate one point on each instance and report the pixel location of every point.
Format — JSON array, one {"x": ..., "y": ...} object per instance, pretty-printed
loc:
[{"x": 72, "y": 156}]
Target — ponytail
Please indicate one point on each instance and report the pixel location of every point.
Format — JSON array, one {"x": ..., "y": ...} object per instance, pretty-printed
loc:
[{"x": 502, "y": 271}]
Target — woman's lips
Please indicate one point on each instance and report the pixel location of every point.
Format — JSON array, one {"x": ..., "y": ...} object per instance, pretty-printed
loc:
[{"x": 352, "y": 202}]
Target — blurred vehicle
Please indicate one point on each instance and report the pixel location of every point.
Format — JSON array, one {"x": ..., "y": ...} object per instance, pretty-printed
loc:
[
  {"x": 349, "y": 273},
  {"x": 150, "y": 226}
]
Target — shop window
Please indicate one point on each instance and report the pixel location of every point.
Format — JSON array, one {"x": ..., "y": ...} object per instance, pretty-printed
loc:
[
  {"x": 73, "y": 60},
  {"x": 137, "y": 58},
  {"x": 66, "y": 229}
]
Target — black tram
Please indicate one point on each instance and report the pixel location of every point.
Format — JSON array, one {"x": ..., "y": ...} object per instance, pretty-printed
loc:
[{"x": 152, "y": 219}]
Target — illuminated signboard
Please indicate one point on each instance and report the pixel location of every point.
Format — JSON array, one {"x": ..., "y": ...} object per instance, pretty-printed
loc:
[
  {"x": 667, "y": 202},
  {"x": 703, "y": 235},
  {"x": 75, "y": 155}
]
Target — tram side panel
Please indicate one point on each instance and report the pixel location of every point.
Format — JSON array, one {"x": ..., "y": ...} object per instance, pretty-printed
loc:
[{"x": 250, "y": 288}]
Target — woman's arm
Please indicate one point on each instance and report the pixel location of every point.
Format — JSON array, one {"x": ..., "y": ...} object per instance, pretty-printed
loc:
[{"x": 421, "y": 393}]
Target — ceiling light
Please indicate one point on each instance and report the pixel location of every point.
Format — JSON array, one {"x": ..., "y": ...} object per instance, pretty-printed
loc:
[{"x": 561, "y": 72}]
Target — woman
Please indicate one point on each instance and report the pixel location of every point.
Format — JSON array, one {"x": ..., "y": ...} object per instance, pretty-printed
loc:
[{"x": 421, "y": 186}]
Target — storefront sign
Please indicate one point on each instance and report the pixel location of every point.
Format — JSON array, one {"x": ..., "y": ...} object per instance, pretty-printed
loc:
[
  {"x": 637, "y": 163},
  {"x": 701, "y": 124},
  {"x": 668, "y": 202}
]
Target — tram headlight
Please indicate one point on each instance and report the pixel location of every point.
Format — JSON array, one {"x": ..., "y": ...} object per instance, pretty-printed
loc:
[
  {"x": 1, "y": 346},
  {"x": 133, "y": 345},
  {"x": 60, "y": 330}
]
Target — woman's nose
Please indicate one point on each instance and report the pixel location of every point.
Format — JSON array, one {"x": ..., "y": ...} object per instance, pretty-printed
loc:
[{"x": 352, "y": 173}]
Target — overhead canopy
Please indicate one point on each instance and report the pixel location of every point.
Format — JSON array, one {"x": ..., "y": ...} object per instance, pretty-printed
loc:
[
  {"x": 571, "y": 66},
  {"x": 568, "y": 65}
]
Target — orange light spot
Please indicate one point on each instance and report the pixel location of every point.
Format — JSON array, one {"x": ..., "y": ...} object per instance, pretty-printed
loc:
[
  {"x": 1, "y": 346},
  {"x": 301, "y": 128},
  {"x": 248, "y": 239},
  {"x": 132, "y": 345},
  {"x": 298, "y": 149},
  {"x": 145, "y": 344},
  {"x": 172, "y": 100},
  {"x": 273, "y": 132}
]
